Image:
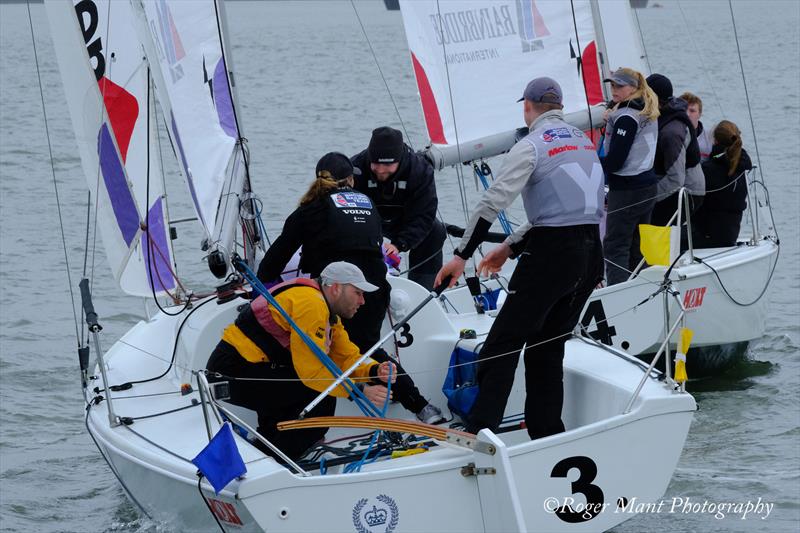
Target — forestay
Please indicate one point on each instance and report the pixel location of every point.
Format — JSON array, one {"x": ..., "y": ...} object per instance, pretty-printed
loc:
[
  {"x": 106, "y": 85},
  {"x": 472, "y": 60},
  {"x": 183, "y": 41}
]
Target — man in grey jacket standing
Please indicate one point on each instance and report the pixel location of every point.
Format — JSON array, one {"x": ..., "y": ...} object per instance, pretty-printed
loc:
[
  {"x": 557, "y": 171},
  {"x": 677, "y": 160}
]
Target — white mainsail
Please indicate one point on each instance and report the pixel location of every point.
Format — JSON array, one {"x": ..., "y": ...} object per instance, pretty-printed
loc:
[
  {"x": 473, "y": 58},
  {"x": 106, "y": 85},
  {"x": 183, "y": 41}
]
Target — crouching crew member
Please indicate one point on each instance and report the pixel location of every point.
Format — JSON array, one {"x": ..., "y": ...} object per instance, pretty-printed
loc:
[
  {"x": 262, "y": 344},
  {"x": 556, "y": 169},
  {"x": 400, "y": 183}
]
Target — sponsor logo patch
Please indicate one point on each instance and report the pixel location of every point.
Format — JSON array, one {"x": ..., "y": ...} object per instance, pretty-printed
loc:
[
  {"x": 559, "y": 149},
  {"x": 351, "y": 199},
  {"x": 556, "y": 133}
]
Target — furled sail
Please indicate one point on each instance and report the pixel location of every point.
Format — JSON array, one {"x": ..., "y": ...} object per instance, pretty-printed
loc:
[
  {"x": 183, "y": 41},
  {"x": 106, "y": 84},
  {"x": 473, "y": 58}
]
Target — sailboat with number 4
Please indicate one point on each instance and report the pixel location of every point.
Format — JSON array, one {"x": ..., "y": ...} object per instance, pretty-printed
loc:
[{"x": 579, "y": 44}]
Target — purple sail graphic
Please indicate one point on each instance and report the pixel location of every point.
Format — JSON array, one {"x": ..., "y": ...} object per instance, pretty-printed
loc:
[
  {"x": 222, "y": 100},
  {"x": 117, "y": 186},
  {"x": 155, "y": 250}
]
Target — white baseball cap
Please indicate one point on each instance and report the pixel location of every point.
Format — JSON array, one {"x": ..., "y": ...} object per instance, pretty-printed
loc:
[{"x": 346, "y": 273}]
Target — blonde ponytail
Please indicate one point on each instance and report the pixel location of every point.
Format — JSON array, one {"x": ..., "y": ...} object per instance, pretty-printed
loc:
[{"x": 319, "y": 187}]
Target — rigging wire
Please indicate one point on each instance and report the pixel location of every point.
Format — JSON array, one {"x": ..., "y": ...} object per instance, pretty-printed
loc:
[
  {"x": 110, "y": 464},
  {"x": 462, "y": 189},
  {"x": 99, "y": 171},
  {"x": 641, "y": 38},
  {"x": 579, "y": 60},
  {"x": 746, "y": 93},
  {"x": 241, "y": 140},
  {"x": 53, "y": 172},
  {"x": 149, "y": 241},
  {"x": 717, "y": 99},
  {"x": 385, "y": 83}
]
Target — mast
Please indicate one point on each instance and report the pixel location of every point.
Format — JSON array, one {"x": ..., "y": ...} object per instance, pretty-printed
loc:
[
  {"x": 237, "y": 188},
  {"x": 602, "y": 51}
]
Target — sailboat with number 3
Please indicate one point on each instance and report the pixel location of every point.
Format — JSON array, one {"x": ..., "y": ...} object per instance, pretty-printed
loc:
[{"x": 150, "y": 410}]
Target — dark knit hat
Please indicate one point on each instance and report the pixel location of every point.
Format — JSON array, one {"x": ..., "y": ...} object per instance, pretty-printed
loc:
[
  {"x": 337, "y": 165},
  {"x": 386, "y": 146},
  {"x": 661, "y": 86}
]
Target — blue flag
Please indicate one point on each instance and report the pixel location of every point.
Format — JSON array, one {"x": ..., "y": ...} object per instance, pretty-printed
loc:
[{"x": 220, "y": 461}]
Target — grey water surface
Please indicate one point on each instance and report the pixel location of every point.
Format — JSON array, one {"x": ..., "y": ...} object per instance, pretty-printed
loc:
[{"x": 308, "y": 84}]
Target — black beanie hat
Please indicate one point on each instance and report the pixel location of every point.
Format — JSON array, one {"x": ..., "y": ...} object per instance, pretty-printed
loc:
[
  {"x": 661, "y": 86},
  {"x": 386, "y": 146}
]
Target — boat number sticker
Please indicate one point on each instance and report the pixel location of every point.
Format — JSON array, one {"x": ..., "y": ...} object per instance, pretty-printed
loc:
[
  {"x": 583, "y": 485},
  {"x": 406, "y": 338},
  {"x": 595, "y": 313},
  {"x": 225, "y": 511},
  {"x": 380, "y": 512}
]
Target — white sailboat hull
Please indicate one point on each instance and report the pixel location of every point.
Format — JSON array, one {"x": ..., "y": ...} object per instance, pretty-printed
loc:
[{"x": 634, "y": 454}]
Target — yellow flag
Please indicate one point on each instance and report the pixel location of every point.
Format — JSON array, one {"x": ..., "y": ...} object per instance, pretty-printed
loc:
[
  {"x": 654, "y": 242},
  {"x": 680, "y": 357}
]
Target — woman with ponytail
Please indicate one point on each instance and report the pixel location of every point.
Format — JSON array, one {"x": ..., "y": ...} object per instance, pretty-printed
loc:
[
  {"x": 336, "y": 223},
  {"x": 717, "y": 222},
  {"x": 629, "y": 146}
]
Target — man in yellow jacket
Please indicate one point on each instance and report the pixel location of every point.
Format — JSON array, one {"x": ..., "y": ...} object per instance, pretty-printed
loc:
[{"x": 262, "y": 344}]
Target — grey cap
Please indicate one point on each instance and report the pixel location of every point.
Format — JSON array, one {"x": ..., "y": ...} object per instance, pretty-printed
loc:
[
  {"x": 346, "y": 273},
  {"x": 546, "y": 90},
  {"x": 619, "y": 77}
]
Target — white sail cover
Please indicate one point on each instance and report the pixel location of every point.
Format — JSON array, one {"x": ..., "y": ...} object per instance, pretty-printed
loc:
[
  {"x": 473, "y": 58},
  {"x": 183, "y": 42},
  {"x": 106, "y": 83}
]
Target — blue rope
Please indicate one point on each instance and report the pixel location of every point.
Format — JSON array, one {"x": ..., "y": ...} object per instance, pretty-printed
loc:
[
  {"x": 355, "y": 393},
  {"x": 356, "y": 466},
  {"x": 501, "y": 216}
]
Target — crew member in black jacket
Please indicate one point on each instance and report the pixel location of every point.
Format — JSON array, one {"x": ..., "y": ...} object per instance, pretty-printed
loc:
[
  {"x": 717, "y": 222},
  {"x": 336, "y": 223},
  {"x": 400, "y": 183}
]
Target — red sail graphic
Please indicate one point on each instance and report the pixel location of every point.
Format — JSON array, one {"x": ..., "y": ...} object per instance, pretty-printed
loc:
[
  {"x": 591, "y": 74},
  {"x": 429, "y": 108},
  {"x": 122, "y": 109}
]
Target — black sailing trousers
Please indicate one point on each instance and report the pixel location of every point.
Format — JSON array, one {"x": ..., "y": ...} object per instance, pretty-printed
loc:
[
  {"x": 281, "y": 398},
  {"x": 555, "y": 276}
]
